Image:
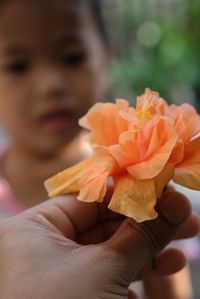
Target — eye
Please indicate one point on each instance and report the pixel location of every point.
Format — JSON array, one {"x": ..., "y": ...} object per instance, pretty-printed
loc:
[
  {"x": 18, "y": 67},
  {"x": 74, "y": 59}
]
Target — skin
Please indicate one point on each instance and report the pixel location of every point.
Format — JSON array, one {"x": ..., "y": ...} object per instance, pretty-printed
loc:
[
  {"x": 80, "y": 250},
  {"x": 51, "y": 57}
]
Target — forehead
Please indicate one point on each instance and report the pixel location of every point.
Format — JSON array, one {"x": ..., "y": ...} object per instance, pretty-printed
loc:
[{"x": 45, "y": 19}]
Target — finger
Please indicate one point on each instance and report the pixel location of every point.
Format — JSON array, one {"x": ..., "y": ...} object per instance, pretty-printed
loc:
[
  {"x": 82, "y": 215},
  {"x": 191, "y": 227},
  {"x": 71, "y": 216},
  {"x": 132, "y": 295},
  {"x": 105, "y": 229},
  {"x": 100, "y": 232},
  {"x": 168, "y": 261},
  {"x": 170, "y": 287},
  {"x": 138, "y": 242}
]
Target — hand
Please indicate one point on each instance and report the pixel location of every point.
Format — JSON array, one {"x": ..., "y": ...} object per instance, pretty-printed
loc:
[
  {"x": 67, "y": 249},
  {"x": 176, "y": 286}
]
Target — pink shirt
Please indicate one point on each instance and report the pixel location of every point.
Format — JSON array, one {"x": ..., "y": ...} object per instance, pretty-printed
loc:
[{"x": 9, "y": 205}]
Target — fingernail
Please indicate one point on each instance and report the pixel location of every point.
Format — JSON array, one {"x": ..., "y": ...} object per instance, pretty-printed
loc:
[{"x": 174, "y": 207}]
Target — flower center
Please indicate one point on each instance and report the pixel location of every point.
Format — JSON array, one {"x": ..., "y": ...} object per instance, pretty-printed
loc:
[{"x": 144, "y": 114}]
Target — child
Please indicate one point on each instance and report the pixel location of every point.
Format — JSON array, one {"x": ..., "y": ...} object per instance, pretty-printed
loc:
[{"x": 53, "y": 65}]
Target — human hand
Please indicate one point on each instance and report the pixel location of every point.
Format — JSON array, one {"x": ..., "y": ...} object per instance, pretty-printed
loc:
[
  {"x": 176, "y": 286},
  {"x": 67, "y": 249}
]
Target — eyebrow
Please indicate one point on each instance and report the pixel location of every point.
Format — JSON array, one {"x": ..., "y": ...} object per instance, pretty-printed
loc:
[
  {"x": 70, "y": 39},
  {"x": 15, "y": 50},
  {"x": 20, "y": 50}
]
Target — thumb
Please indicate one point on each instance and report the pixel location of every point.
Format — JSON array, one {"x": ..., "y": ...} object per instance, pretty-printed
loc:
[{"x": 138, "y": 242}]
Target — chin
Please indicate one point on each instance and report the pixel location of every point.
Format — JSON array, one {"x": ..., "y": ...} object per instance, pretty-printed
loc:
[
  {"x": 51, "y": 144},
  {"x": 52, "y": 147}
]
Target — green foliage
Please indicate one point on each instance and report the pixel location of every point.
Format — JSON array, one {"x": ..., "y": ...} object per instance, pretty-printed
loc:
[{"x": 158, "y": 48}]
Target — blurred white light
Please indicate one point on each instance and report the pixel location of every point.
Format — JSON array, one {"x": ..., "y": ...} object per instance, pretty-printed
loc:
[{"x": 149, "y": 33}]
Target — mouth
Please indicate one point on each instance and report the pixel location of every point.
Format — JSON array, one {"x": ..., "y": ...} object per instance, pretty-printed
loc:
[{"x": 56, "y": 120}]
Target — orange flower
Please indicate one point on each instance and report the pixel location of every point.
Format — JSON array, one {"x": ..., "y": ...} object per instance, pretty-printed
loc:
[{"x": 141, "y": 149}]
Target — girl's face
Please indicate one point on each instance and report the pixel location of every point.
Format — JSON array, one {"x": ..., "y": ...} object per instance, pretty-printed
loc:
[{"x": 53, "y": 66}]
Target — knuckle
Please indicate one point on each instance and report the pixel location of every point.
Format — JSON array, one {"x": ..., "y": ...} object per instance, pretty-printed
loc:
[{"x": 146, "y": 235}]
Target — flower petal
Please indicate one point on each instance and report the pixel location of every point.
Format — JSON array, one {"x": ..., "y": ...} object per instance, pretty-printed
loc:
[
  {"x": 177, "y": 154},
  {"x": 191, "y": 153},
  {"x": 105, "y": 122},
  {"x": 137, "y": 198},
  {"x": 163, "y": 178},
  {"x": 103, "y": 158},
  {"x": 154, "y": 143},
  {"x": 120, "y": 156},
  {"x": 188, "y": 177},
  {"x": 187, "y": 121},
  {"x": 84, "y": 123},
  {"x": 186, "y": 111},
  {"x": 134, "y": 198},
  {"x": 67, "y": 181},
  {"x": 153, "y": 166},
  {"x": 191, "y": 129},
  {"x": 127, "y": 152},
  {"x": 187, "y": 173},
  {"x": 93, "y": 184}
]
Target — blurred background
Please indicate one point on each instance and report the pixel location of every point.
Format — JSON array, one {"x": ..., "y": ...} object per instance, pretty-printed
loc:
[{"x": 156, "y": 44}]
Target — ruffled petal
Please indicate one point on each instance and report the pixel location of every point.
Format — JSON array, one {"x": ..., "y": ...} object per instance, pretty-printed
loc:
[
  {"x": 120, "y": 156},
  {"x": 187, "y": 173},
  {"x": 121, "y": 124},
  {"x": 103, "y": 158},
  {"x": 67, "y": 181},
  {"x": 130, "y": 117},
  {"x": 93, "y": 184},
  {"x": 100, "y": 119},
  {"x": 154, "y": 143},
  {"x": 191, "y": 129},
  {"x": 153, "y": 166},
  {"x": 134, "y": 198},
  {"x": 163, "y": 178},
  {"x": 105, "y": 122},
  {"x": 137, "y": 198},
  {"x": 187, "y": 121},
  {"x": 125, "y": 153},
  {"x": 177, "y": 154},
  {"x": 191, "y": 153},
  {"x": 84, "y": 123},
  {"x": 188, "y": 177}
]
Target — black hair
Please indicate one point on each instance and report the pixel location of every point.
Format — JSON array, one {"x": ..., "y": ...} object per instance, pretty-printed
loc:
[{"x": 96, "y": 9}]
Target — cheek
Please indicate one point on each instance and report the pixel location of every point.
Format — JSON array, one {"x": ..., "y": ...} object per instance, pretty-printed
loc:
[
  {"x": 14, "y": 94},
  {"x": 15, "y": 101},
  {"x": 15, "y": 124},
  {"x": 13, "y": 115},
  {"x": 88, "y": 86}
]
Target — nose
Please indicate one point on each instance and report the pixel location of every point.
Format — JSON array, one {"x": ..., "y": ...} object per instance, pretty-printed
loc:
[{"x": 51, "y": 83}]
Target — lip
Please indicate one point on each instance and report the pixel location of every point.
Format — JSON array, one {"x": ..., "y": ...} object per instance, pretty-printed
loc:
[{"x": 56, "y": 119}]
